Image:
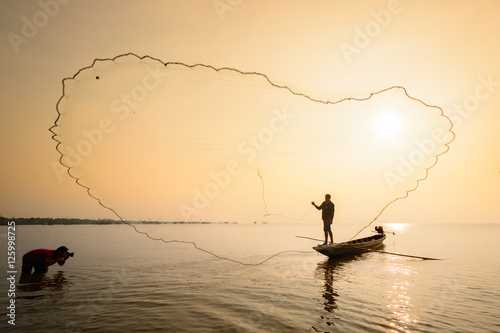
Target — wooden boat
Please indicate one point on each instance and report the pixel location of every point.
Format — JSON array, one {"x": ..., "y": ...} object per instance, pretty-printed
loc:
[{"x": 352, "y": 247}]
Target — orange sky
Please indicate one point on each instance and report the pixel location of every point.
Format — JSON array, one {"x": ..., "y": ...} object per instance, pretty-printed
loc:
[{"x": 443, "y": 53}]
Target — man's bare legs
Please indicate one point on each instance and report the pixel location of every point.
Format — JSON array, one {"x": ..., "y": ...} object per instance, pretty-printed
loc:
[{"x": 326, "y": 236}]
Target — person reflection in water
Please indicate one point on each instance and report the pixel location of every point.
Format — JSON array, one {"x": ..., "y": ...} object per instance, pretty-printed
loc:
[
  {"x": 327, "y": 211},
  {"x": 41, "y": 259},
  {"x": 37, "y": 282}
]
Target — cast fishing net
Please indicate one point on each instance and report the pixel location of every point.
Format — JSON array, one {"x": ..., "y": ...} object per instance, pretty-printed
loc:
[{"x": 178, "y": 142}]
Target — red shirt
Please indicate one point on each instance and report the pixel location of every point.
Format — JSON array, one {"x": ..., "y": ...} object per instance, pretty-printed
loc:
[
  {"x": 40, "y": 254},
  {"x": 46, "y": 255}
]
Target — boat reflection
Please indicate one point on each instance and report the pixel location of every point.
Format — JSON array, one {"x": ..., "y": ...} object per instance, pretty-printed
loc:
[
  {"x": 388, "y": 290},
  {"x": 334, "y": 272},
  {"x": 39, "y": 282},
  {"x": 329, "y": 271}
]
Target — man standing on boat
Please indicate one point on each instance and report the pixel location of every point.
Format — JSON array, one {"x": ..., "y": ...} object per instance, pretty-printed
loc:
[{"x": 328, "y": 210}]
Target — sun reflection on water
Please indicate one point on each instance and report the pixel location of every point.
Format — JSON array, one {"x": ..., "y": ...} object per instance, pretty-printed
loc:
[
  {"x": 404, "y": 314},
  {"x": 397, "y": 227}
]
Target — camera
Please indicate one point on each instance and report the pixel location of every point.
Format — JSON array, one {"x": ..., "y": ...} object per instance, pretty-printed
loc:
[{"x": 70, "y": 254}]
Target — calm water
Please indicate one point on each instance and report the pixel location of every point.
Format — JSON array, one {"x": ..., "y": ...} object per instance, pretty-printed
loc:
[{"x": 120, "y": 281}]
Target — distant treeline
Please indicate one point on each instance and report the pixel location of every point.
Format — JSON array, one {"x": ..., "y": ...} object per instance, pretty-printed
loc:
[
  {"x": 67, "y": 221},
  {"x": 51, "y": 221}
]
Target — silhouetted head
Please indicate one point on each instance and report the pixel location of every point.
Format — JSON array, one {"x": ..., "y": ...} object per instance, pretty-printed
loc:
[
  {"x": 328, "y": 196},
  {"x": 60, "y": 250}
]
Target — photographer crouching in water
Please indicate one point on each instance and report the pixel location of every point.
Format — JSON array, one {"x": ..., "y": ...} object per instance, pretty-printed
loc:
[{"x": 41, "y": 259}]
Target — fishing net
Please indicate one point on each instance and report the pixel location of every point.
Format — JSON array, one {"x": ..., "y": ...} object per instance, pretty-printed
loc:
[{"x": 181, "y": 142}]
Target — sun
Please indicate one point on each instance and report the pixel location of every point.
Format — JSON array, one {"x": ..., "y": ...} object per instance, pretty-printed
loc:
[{"x": 387, "y": 125}]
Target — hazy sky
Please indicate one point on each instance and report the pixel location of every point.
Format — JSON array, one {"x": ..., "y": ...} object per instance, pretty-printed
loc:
[{"x": 443, "y": 52}]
